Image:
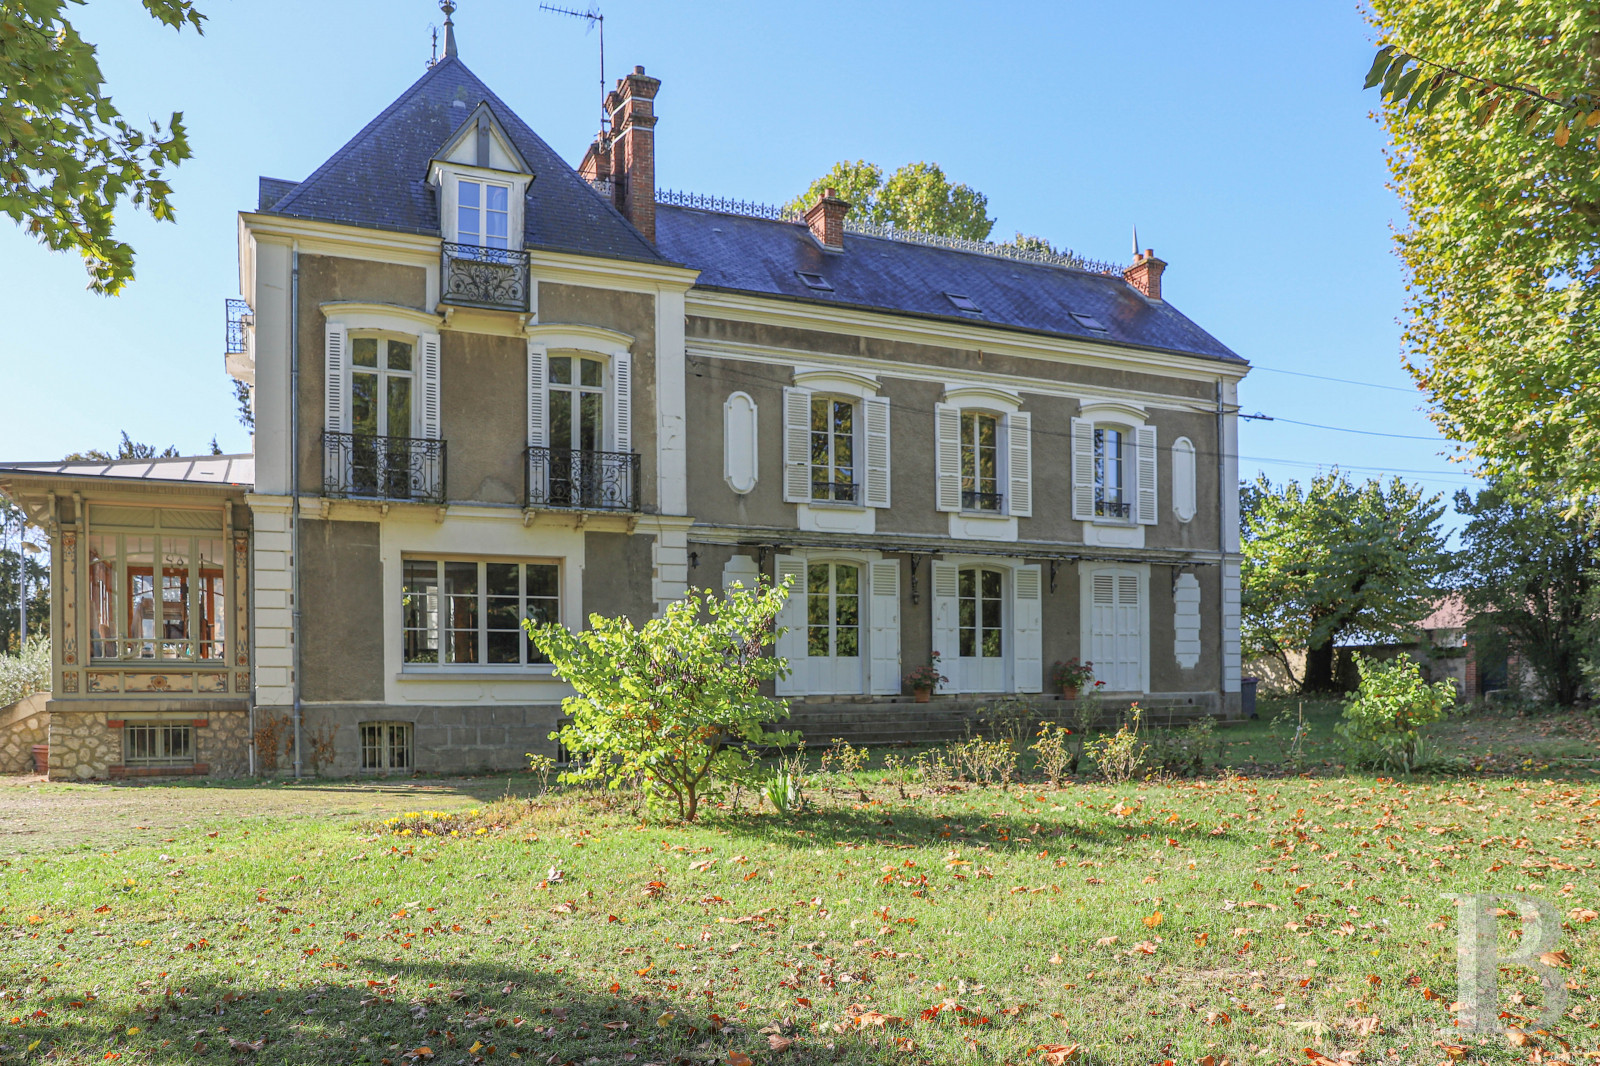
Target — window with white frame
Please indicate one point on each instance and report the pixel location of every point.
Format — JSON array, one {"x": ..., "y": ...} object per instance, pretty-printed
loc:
[
  {"x": 983, "y": 453},
  {"x": 833, "y": 449},
  {"x": 157, "y": 596},
  {"x": 469, "y": 612},
  {"x": 980, "y": 461},
  {"x": 1113, "y": 467},
  {"x": 386, "y": 746},
  {"x": 483, "y": 213},
  {"x": 979, "y": 613},
  {"x": 577, "y": 403},
  {"x": 381, "y": 407},
  {"x": 580, "y": 429}
]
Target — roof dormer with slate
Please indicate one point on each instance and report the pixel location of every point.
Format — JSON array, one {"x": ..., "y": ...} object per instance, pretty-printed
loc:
[{"x": 481, "y": 180}]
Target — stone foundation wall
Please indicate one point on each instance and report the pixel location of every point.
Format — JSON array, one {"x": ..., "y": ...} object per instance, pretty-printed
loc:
[
  {"x": 86, "y": 745},
  {"x": 445, "y": 739},
  {"x": 22, "y": 725}
]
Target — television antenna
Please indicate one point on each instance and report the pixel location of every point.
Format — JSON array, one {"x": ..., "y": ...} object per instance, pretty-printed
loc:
[{"x": 595, "y": 20}]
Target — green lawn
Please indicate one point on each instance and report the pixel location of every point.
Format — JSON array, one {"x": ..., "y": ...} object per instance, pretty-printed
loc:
[{"x": 1246, "y": 918}]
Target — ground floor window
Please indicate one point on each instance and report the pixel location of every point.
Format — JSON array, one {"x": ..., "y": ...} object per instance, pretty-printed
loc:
[
  {"x": 833, "y": 609},
  {"x": 469, "y": 612},
  {"x": 981, "y": 606},
  {"x": 158, "y": 744},
  {"x": 386, "y": 746}
]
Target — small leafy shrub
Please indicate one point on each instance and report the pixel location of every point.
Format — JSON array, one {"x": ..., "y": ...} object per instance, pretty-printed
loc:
[
  {"x": 1083, "y": 715},
  {"x": 927, "y": 677},
  {"x": 1181, "y": 752},
  {"x": 1120, "y": 755},
  {"x": 843, "y": 758},
  {"x": 672, "y": 704},
  {"x": 1290, "y": 732},
  {"x": 1383, "y": 724},
  {"x": 901, "y": 772},
  {"x": 1052, "y": 751},
  {"x": 1007, "y": 719},
  {"x": 542, "y": 766},
  {"x": 984, "y": 761},
  {"x": 783, "y": 792},
  {"x": 23, "y": 675},
  {"x": 935, "y": 769}
]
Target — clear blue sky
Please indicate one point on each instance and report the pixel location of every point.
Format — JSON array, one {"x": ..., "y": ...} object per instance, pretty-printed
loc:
[{"x": 1236, "y": 137}]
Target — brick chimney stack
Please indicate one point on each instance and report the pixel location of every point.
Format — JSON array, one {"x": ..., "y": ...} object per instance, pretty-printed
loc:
[
  {"x": 826, "y": 220},
  {"x": 1145, "y": 273},
  {"x": 629, "y": 159}
]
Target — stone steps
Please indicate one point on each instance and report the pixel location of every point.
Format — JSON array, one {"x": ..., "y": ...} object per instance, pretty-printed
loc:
[{"x": 940, "y": 721}]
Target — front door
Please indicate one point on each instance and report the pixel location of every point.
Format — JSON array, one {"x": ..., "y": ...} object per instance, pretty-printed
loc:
[
  {"x": 833, "y": 627},
  {"x": 980, "y": 620},
  {"x": 1116, "y": 632}
]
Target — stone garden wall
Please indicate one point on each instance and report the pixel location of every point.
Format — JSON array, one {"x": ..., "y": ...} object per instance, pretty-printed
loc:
[{"x": 22, "y": 725}]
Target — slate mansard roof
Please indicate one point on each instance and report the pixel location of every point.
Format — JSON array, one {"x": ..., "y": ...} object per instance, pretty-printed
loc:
[
  {"x": 378, "y": 180},
  {"x": 742, "y": 254}
]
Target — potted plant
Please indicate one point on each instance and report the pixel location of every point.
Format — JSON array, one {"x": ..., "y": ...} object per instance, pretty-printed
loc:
[
  {"x": 924, "y": 679},
  {"x": 1071, "y": 676}
]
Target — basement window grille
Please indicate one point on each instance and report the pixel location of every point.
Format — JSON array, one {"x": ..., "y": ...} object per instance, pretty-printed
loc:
[
  {"x": 386, "y": 746},
  {"x": 158, "y": 744}
]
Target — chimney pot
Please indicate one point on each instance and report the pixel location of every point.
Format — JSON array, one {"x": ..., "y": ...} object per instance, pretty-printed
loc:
[
  {"x": 825, "y": 219},
  {"x": 638, "y": 70},
  {"x": 627, "y": 159},
  {"x": 1145, "y": 273}
]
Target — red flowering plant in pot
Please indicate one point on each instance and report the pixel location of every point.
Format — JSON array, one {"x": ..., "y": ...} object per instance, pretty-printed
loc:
[
  {"x": 1071, "y": 676},
  {"x": 924, "y": 679}
]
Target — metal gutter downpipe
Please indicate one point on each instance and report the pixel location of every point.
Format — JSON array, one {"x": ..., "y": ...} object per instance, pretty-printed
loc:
[{"x": 294, "y": 483}]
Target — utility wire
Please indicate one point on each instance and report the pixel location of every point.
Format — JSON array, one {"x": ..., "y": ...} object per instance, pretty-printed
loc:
[
  {"x": 1324, "y": 377},
  {"x": 1343, "y": 429}
]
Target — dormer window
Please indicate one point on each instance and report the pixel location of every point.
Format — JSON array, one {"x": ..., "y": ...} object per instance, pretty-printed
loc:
[{"x": 483, "y": 214}]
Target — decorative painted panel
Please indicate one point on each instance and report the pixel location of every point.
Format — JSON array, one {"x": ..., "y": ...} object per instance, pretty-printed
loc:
[
  {"x": 69, "y": 681},
  {"x": 104, "y": 682},
  {"x": 158, "y": 683},
  {"x": 241, "y": 681},
  {"x": 212, "y": 683},
  {"x": 67, "y": 597},
  {"x": 241, "y": 600}
]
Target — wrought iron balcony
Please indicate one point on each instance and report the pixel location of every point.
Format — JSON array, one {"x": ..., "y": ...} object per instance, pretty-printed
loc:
[
  {"x": 834, "y": 491},
  {"x": 362, "y": 466},
  {"x": 1113, "y": 508},
  {"x": 577, "y": 480},
  {"x": 495, "y": 278},
  {"x": 240, "y": 319},
  {"x": 972, "y": 500}
]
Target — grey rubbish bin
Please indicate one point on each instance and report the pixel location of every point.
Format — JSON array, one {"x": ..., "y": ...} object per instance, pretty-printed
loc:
[{"x": 1247, "y": 696}]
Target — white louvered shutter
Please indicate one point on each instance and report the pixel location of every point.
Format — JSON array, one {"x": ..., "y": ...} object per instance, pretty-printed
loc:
[
  {"x": 1082, "y": 469},
  {"x": 622, "y": 402},
  {"x": 1019, "y": 466},
  {"x": 1103, "y": 627},
  {"x": 538, "y": 423},
  {"x": 1148, "y": 514},
  {"x": 1129, "y": 634},
  {"x": 792, "y": 621},
  {"x": 429, "y": 344},
  {"x": 335, "y": 403},
  {"x": 796, "y": 445},
  {"x": 336, "y": 380},
  {"x": 946, "y": 640},
  {"x": 1028, "y": 645},
  {"x": 947, "y": 455},
  {"x": 877, "y": 419},
  {"x": 884, "y": 621}
]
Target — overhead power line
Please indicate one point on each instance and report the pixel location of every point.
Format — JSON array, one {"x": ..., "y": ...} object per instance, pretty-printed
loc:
[{"x": 1325, "y": 377}]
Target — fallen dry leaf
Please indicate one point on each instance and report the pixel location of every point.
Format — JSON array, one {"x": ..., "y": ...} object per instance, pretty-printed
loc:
[
  {"x": 1106, "y": 941},
  {"x": 1154, "y": 920},
  {"x": 1143, "y": 947},
  {"x": 1218, "y": 1017},
  {"x": 1583, "y": 914},
  {"x": 1366, "y": 1026},
  {"x": 780, "y": 1043},
  {"x": 1454, "y": 1052},
  {"x": 1517, "y": 1037},
  {"x": 1555, "y": 958},
  {"x": 1060, "y": 1054},
  {"x": 243, "y": 1047},
  {"x": 738, "y": 1058}
]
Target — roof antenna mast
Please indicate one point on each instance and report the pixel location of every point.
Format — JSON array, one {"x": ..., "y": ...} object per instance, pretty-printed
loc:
[{"x": 595, "y": 19}]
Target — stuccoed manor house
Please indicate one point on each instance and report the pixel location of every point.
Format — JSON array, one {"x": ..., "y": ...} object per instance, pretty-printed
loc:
[{"x": 489, "y": 386}]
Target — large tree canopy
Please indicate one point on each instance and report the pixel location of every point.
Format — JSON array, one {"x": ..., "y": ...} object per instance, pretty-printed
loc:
[
  {"x": 916, "y": 197},
  {"x": 1528, "y": 577},
  {"x": 1493, "y": 107},
  {"x": 1336, "y": 559},
  {"x": 67, "y": 157}
]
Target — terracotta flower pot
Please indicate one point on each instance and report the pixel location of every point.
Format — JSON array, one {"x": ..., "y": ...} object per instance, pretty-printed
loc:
[
  {"x": 922, "y": 695},
  {"x": 1069, "y": 692},
  {"x": 41, "y": 759}
]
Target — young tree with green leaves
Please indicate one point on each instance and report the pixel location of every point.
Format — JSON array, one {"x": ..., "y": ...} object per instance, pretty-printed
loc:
[
  {"x": 1527, "y": 577},
  {"x": 1335, "y": 559},
  {"x": 1493, "y": 110},
  {"x": 671, "y": 703},
  {"x": 917, "y": 197},
  {"x": 67, "y": 156}
]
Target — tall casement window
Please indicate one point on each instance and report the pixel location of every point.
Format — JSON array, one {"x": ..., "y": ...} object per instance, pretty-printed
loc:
[
  {"x": 1113, "y": 467},
  {"x": 577, "y": 403},
  {"x": 833, "y": 610},
  {"x": 835, "y": 445},
  {"x": 483, "y": 213},
  {"x": 1109, "y": 477},
  {"x": 580, "y": 430},
  {"x": 833, "y": 449},
  {"x": 980, "y": 461},
  {"x": 156, "y": 597},
  {"x": 983, "y": 456},
  {"x": 463, "y": 612},
  {"x": 981, "y": 606},
  {"x": 381, "y": 408}
]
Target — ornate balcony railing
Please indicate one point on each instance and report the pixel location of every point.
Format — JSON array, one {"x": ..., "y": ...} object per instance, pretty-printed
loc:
[
  {"x": 836, "y": 491},
  {"x": 362, "y": 466},
  {"x": 495, "y": 278},
  {"x": 1113, "y": 508},
  {"x": 572, "y": 479},
  {"x": 240, "y": 319},
  {"x": 972, "y": 500}
]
